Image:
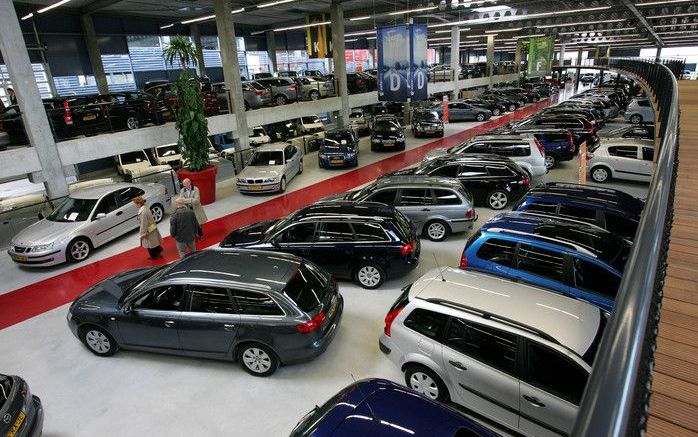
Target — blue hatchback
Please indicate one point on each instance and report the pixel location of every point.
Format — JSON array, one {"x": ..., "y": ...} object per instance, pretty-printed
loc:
[
  {"x": 567, "y": 256},
  {"x": 381, "y": 408}
]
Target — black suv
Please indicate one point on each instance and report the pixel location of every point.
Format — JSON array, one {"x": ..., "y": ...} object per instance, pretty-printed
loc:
[
  {"x": 387, "y": 133},
  {"x": 362, "y": 241},
  {"x": 131, "y": 110},
  {"x": 426, "y": 122},
  {"x": 339, "y": 148},
  {"x": 493, "y": 180}
]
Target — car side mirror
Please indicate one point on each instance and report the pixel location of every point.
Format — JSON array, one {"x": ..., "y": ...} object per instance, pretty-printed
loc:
[
  {"x": 100, "y": 215},
  {"x": 275, "y": 243},
  {"x": 127, "y": 308}
]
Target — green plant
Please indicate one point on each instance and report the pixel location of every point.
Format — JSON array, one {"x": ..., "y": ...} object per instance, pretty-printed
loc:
[{"x": 190, "y": 120}]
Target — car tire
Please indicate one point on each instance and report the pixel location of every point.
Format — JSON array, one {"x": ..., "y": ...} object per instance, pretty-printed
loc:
[
  {"x": 636, "y": 119},
  {"x": 300, "y": 167},
  {"x": 158, "y": 212},
  {"x": 496, "y": 112},
  {"x": 280, "y": 100},
  {"x": 600, "y": 174},
  {"x": 78, "y": 250},
  {"x": 512, "y": 107},
  {"x": 480, "y": 117},
  {"x": 436, "y": 230},
  {"x": 424, "y": 381},
  {"x": 369, "y": 276},
  {"x": 98, "y": 341},
  {"x": 257, "y": 359},
  {"x": 497, "y": 199},
  {"x": 314, "y": 95},
  {"x": 132, "y": 122},
  {"x": 247, "y": 106},
  {"x": 550, "y": 161},
  {"x": 319, "y": 163},
  {"x": 282, "y": 184}
]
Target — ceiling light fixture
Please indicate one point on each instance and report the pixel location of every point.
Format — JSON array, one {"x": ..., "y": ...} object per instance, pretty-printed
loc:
[
  {"x": 464, "y": 29},
  {"x": 527, "y": 16},
  {"x": 167, "y": 26},
  {"x": 49, "y": 7},
  {"x": 28, "y": 16},
  {"x": 364, "y": 17},
  {"x": 274, "y": 3},
  {"x": 302, "y": 26},
  {"x": 687, "y": 14},
  {"x": 351, "y": 40},
  {"x": 661, "y": 3},
  {"x": 580, "y": 23},
  {"x": 411, "y": 11},
  {"x": 504, "y": 30},
  {"x": 366, "y": 32},
  {"x": 603, "y": 30},
  {"x": 196, "y": 20},
  {"x": 492, "y": 9}
]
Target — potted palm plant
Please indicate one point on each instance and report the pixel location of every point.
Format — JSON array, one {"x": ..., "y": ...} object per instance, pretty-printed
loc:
[{"x": 191, "y": 122}]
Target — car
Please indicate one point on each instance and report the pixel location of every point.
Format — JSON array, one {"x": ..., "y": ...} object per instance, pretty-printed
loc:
[
  {"x": 131, "y": 110},
  {"x": 568, "y": 256},
  {"x": 377, "y": 407},
  {"x": 640, "y": 132},
  {"x": 164, "y": 90},
  {"x": 461, "y": 111},
  {"x": 622, "y": 158},
  {"x": 442, "y": 73},
  {"x": 587, "y": 78},
  {"x": 254, "y": 94},
  {"x": 84, "y": 221},
  {"x": 310, "y": 125},
  {"x": 258, "y": 136},
  {"x": 582, "y": 128},
  {"x": 266, "y": 75},
  {"x": 355, "y": 83},
  {"x": 283, "y": 89},
  {"x": 610, "y": 209},
  {"x": 518, "y": 98},
  {"x": 496, "y": 107},
  {"x": 516, "y": 354},
  {"x": 595, "y": 108},
  {"x": 438, "y": 207},
  {"x": 314, "y": 88},
  {"x": 558, "y": 144},
  {"x": 168, "y": 154},
  {"x": 523, "y": 149},
  {"x": 358, "y": 121},
  {"x": 387, "y": 133},
  {"x": 640, "y": 111},
  {"x": 22, "y": 412},
  {"x": 364, "y": 242},
  {"x": 312, "y": 73},
  {"x": 493, "y": 180},
  {"x": 270, "y": 168},
  {"x": 576, "y": 111},
  {"x": 287, "y": 74},
  {"x": 132, "y": 163},
  {"x": 339, "y": 148},
  {"x": 370, "y": 81},
  {"x": 282, "y": 130},
  {"x": 469, "y": 71},
  {"x": 262, "y": 309},
  {"x": 609, "y": 107},
  {"x": 508, "y": 104},
  {"x": 426, "y": 122}
]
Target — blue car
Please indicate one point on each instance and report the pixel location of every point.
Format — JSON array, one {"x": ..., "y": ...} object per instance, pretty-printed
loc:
[
  {"x": 567, "y": 256},
  {"x": 381, "y": 408},
  {"x": 559, "y": 144},
  {"x": 339, "y": 148},
  {"x": 613, "y": 210}
]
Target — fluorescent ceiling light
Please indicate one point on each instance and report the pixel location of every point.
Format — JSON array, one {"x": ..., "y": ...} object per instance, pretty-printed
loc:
[
  {"x": 237, "y": 11},
  {"x": 673, "y": 32},
  {"x": 351, "y": 40},
  {"x": 411, "y": 11},
  {"x": 49, "y": 7},
  {"x": 371, "y": 37},
  {"x": 504, "y": 30},
  {"x": 601, "y": 31},
  {"x": 364, "y": 17},
  {"x": 302, "y": 26},
  {"x": 674, "y": 25},
  {"x": 525, "y": 17},
  {"x": 687, "y": 14},
  {"x": 274, "y": 3},
  {"x": 365, "y": 32},
  {"x": 580, "y": 23},
  {"x": 167, "y": 26},
  {"x": 464, "y": 29},
  {"x": 492, "y": 9},
  {"x": 28, "y": 16},
  {"x": 196, "y": 20},
  {"x": 446, "y": 38},
  {"x": 662, "y": 2}
]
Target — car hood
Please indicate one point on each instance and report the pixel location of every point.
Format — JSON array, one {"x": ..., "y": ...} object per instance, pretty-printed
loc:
[
  {"x": 44, "y": 232},
  {"x": 435, "y": 154},
  {"x": 262, "y": 171},
  {"x": 247, "y": 234},
  {"x": 135, "y": 168},
  {"x": 106, "y": 294},
  {"x": 346, "y": 148}
]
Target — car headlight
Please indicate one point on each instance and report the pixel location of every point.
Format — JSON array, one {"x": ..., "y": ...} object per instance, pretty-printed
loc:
[
  {"x": 351, "y": 154},
  {"x": 420, "y": 127},
  {"x": 376, "y": 140},
  {"x": 270, "y": 180},
  {"x": 42, "y": 247},
  {"x": 241, "y": 181},
  {"x": 323, "y": 155}
]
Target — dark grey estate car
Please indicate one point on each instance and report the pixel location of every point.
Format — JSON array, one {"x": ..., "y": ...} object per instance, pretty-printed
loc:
[{"x": 260, "y": 308}]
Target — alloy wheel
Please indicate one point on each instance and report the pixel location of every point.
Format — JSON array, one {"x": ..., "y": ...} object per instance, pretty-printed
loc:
[
  {"x": 157, "y": 212},
  {"x": 436, "y": 231},
  {"x": 369, "y": 276},
  {"x": 79, "y": 250},
  {"x": 599, "y": 174},
  {"x": 424, "y": 384},
  {"x": 132, "y": 122},
  {"x": 97, "y": 341},
  {"x": 549, "y": 161},
  {"x": 256, "y": 360},
  {"x": 498, "y": 200}
]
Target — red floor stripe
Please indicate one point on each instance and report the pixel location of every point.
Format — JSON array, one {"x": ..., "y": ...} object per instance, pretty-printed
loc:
[{"x": 32, "y": 300}]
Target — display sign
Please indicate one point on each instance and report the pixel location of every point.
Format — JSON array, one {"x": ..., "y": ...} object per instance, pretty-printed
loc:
[
  {"x": 318, "y": 38},
  {"x": 419, "y": 75},
  {"x": 401, "y": 53},
  {"x": 540, "y": 55},
  {"x": 583, "y": 163}
]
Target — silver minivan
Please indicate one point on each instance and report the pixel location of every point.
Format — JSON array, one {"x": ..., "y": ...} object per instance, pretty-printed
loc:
[
  {"x": 437, "y": 206},
  {"x": 517, "y": 354}
]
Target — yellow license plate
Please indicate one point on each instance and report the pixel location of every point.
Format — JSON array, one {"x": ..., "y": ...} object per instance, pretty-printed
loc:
[
  {"x": 255, "y": 187},
  {"x": 89, "y": 117},
  {"x": 388, "y": 144},
  {"x": 17, "y": 425},
  {"x": 19, "y": 258},
  {"x": 336, "y": 161}
]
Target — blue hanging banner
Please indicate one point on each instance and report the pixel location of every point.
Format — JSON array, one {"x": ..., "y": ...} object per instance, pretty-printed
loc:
[
  {"x": 393, "y": 45},
  {"x": 419, "y": 76}
]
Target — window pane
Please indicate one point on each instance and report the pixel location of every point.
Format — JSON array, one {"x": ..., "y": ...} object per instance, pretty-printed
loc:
[
  {"x": 301, "y": 233},
  {"x": 335, "y": 232},
  {"x": 258, "y": 304},
  {"x": 594, "y": 278},
  {"x": 203, "y": 299},
  {"x": 471, "y": 171},
  {"x": 384, "y": 196},
  {"x": 162, "y": 298},
  {"x": 483, "y": 343},
  {"x": 647, "y": 153},
  {"x": 620, "y": 225},
  {"x": 308, "y": 287},
  {"x": 425, "y": 322},
  {"x": 542, "y": 208},
  {"x": 585, "y": 214},
  {"x": 498, "y": 251},
  {"x": 450, "y": 171},
  {"x": 106, "y": 205},
  {"x": 555, "y": 374},
  {"x": 415, "y": 197},
  {"x": 369, "y": 232},
  {"x": 541, "y": 262},
  {"x": 447, "y": 197},
  {"x": 478, "y": 148},
  {"x": 623, "y": 151},
  {"x": 499, "y": 170}
]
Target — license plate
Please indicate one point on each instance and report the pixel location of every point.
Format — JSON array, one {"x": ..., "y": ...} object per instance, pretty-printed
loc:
[
  {"x": 19, "y": 258},
  {"x": 336, "y": 161},
  {"x": 430, "y": 131},
  {"x": 333, "y": 308},
  {"x": 89, "y": 117},
  {"x": 255, "y": 187},
  {"x": 17, "y": 424}
]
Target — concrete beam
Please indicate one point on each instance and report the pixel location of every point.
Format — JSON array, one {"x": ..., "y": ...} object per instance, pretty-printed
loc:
[
  {"x": 97, "y": 5},
  {"x": 339, "y": 61},
  {"x": 271, "y": 49},
  {"x": 196, "y": 37},
  {"x": 455, "y": 58},
  {"x": 88, "y": 30},
  {"x": 641, "y": 18}
]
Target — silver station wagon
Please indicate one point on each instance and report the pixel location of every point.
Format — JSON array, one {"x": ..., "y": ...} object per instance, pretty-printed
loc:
[
  {"x": 271, "y": 167},
  {"x": 437, "y": 206},
  {"x": 84, "y": 221}
]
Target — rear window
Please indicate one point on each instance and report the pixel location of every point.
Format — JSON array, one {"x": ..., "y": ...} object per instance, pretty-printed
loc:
[
  {"x": 402, "y": 224},
  {"x": 308, "y": 287},
  {"x": 427, "y": 323}
]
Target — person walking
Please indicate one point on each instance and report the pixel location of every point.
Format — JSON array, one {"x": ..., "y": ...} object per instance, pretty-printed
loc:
[
  {"x": 150, "y": 236},
  {"x": 192, "y": 199},
  {"x": 184, "y": 228}
]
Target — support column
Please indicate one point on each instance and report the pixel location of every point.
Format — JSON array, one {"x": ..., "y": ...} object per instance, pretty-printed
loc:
[
  {"x": 231, "y": 68},
  {"x": 88, "y": 29},
  {"x": 490, "y": 57},
  {"x": 579, "y": 71},
  {"x": 455, "y": 50},
  {"x": 340, "y": 63},
  {"x": 14, "y": 52},
  {"x": 196, "y": 37},
  {"x": 659, "y": 55},
  {"x": 271, "y": 49},
  {"x": 517, "y": 55},
  {"x": 562, "y": 55}
]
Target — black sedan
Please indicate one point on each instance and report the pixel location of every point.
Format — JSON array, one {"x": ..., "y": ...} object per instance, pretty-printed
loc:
[
  {"x": 387, "y": 134},
  {"x": 129, "y": 110},
  {"x": 21, "y": 413},
  {"x": 426, "y": 122},
  {"x": 262, "y": 309}
]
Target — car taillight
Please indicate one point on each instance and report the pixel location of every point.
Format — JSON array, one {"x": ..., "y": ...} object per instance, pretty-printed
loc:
[
  {"x": 259, "y": 93},
  {"x": 463, "y": 261},
  {"x": 469, "y": 214},
  {"x": 407, "y": 249},
  {"x": 526, "y": 180},
  {"x": 67, "y": 113},
  {"x": 293, "y": 87},
  {"x": 390, "y": 318},
  {"x": 589, "y": 156},
  {"x": 540, "y": 146},
  {"x": 311, "y": 325}
]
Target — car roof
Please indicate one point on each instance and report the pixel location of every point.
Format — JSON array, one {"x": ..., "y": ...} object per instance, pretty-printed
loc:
[
  {"x": 100, "y": 190},
  {"x": 418, "y": 180},
  {"x": 474, "y": 157},
  {"x": 266, "y": 270},
  {"x": 503, "y": 137},
  {"x": 600, "y": 197},
  {"x": 570, "y": 322},
  {"x": 346, "y": 210},
  {"x": 271, "y": 147},
  {"x": 610, "y": 141}
]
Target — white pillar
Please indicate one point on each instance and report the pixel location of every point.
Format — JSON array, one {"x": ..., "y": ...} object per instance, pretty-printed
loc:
[
  {"x": 196, "y": 37},
  {"x": 340, "y": 64},
  {"x": 455, "y": 58},
  {"x": 88, "y": 29},
  {"x": 271, "y": 49},
  {"x": 517, "y": 54},
  {"x": 490, "y": 57}
]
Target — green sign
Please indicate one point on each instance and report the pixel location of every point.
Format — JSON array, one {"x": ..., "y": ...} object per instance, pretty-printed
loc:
[{"x": 540, "y": 55}]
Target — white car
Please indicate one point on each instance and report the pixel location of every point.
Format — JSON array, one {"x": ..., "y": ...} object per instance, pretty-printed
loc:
[
  {"x": 168, "y": 154},
  {"x": 270, "y": 168},
  {"x": 132, "y": 163},
  {"x": 621, "y": 158},
  {"x": 358, "y": 122},
  {"x": 259, "y": 136},
  {"x": 640, "y": 111},
  {"x": 310, "y": 125}
]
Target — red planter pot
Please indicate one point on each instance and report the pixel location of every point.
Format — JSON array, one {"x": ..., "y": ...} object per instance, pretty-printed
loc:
[{"x": 204, "y": 180}]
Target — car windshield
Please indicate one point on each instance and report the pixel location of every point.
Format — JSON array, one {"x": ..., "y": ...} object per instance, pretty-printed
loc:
[
  {"x": 5, "y": 389},
  {"x": 426, "y": 116},
  {"x": 267, "y": 157},
  {"x": 310, "y": 120},
  {"x": 73, "y": 210},
  {"x": 152, "y": 274},
  {"x": 133, "y": 157},
  {"x": 308, "y": 287},
  {"x": 337, "y": 138},
  {"x": 168, "y": 150},
  {"x": 258, "y": 132},
  {"x": 386, "y": 126}
]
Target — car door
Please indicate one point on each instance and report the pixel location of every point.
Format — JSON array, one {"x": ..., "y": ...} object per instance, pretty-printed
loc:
[
  {"x": 126, "y": 209},
  {"x": 625, "y": 161},
  {"x": 646, "y": 163},
  {"x": 542, "y": 267},
  {"x": 474, "y": 178},
  {"x": 386, "y": 196},
  {"x": 416, "y": 203},
  {"x": 455, "y": 112},
  {"x": 551, "y": 389},
  {"x": 334, "y": 247},
  {"x": 152, "y": 320},
  {"x": 106, "y": 221},
  {"x": 481, "y": 363},
  {"x": 296, "y": 239},
  {"x": 208, "y": 324},
  {"x": 496, "y": 255}
]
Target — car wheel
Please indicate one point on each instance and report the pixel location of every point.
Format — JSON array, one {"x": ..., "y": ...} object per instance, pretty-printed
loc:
[
  {"x": 282, "y": 184},
  {"x": 98, "y": 341},
  {"x": 498, "y": 199},
  {"x": 280, "y": 100},
  {"x": 300, "y": 167},
  {"x": 550, "y": 161},
  {"x": 427, "y": 383},
  {"x": 257, "y": 359},
  {"x": 314, "y": 95},
  {"x": 158, "y": 212},
  {"x": 512, "y": 107},
  {"x": 370, "y": 276},
  {"x": 132, "y": 122},
  {"x": 436, "y": 230},
  {"x": 480, "y": 117},
  {"x": 600, "y": 174},
  {"x": 496, "y": 112},
  {"x": 247, "y": 106},
  {"x": 636, "y": 119},
  {"x": 78, "y": 250}
]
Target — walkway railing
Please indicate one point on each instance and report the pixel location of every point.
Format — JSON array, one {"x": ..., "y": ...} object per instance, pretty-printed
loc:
[{"x": 616, "y": 399}]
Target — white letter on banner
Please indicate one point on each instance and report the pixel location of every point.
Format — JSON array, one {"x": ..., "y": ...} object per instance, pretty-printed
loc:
[{"x": 394, "y": 81}]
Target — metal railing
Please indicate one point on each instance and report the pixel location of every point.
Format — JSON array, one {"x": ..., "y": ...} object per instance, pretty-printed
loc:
[{"x": 616, "y": 399}]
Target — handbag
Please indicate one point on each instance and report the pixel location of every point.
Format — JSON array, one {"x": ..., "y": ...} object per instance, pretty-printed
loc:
[{"x": 152, "y": 227}]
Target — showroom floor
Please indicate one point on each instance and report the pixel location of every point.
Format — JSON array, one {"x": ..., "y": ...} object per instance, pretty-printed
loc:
[{"x": 136, "y": 393}]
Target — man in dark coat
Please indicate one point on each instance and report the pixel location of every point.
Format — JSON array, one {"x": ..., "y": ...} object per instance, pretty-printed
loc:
[{"x": 184, "y": 228}]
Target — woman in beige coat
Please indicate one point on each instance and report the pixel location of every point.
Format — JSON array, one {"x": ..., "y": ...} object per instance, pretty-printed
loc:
[
  {"x": 192, "y": 198},
  {"x": 150, "y": 236}
]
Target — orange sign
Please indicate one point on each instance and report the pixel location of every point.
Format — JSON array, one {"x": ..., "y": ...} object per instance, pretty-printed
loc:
[
  {"x": 583, "y": 163},
  {"x": 444, "y": 117}
]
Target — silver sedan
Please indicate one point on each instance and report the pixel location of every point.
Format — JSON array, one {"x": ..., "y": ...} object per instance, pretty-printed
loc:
[
  {"x": 84, "y": 221},
  {"x": 271, "y": 167}
]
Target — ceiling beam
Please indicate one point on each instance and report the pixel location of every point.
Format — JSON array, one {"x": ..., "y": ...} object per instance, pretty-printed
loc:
[
  {"x": 98, "y": 5},
  {"x": 641, "y": 18}
]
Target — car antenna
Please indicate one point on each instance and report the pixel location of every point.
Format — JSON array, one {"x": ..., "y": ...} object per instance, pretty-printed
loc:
[
  {"x": 358, "y": 387},
  {"x": 441, "y": 272}
]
